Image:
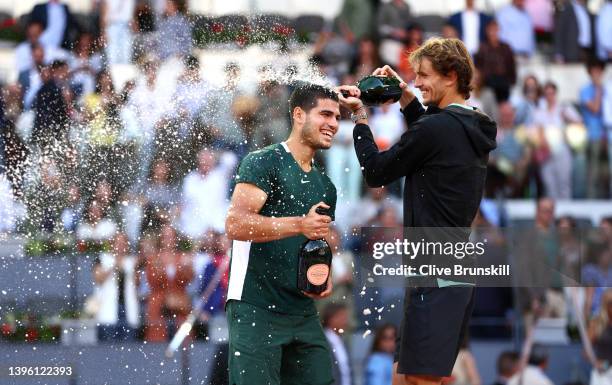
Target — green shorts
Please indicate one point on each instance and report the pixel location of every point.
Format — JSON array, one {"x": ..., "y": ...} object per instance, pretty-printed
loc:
[{"x": 267, "y": 348}]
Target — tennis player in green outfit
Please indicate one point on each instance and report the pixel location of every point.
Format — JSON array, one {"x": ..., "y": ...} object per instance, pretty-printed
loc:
[{"x": 275, "y": 336}]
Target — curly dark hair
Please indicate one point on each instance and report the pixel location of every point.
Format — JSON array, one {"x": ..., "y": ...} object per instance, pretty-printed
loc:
[{"x": 447, "y": 55}]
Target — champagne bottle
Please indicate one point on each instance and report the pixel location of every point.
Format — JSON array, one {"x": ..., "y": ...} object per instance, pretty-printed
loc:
[
  {"x": 377, "y": 90},
  {"x": 314, "y": 263}
]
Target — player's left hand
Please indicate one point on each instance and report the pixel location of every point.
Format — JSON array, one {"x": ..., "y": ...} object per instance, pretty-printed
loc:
[{"x": 323, "y": 294}]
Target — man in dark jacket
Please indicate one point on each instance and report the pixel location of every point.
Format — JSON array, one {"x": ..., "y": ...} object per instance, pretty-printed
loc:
[
  {"x": 60, "y": 26},
  {"x": 443, "y": 156},
  {"x": 51, "y": 120}
]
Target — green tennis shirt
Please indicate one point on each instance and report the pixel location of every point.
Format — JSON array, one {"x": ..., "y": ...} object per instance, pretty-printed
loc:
[{"x": 264, "y": 274}]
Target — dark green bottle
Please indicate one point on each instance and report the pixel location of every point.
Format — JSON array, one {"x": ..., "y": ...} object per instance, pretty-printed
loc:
[
  {"x": 314, "y": 263},
  {"x": 377, "y": 90}
]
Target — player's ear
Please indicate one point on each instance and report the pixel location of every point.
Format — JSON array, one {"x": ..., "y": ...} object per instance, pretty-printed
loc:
[
  {"x": 451, "y": 78},
  {"x": 298, "y": 115}
]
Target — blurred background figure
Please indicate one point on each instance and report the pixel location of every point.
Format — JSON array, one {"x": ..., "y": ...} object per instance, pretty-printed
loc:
[
  {"x": 379, "y": 364},
  {"x": 335, "y": 322},
  {"x": 116, "y": 280}
]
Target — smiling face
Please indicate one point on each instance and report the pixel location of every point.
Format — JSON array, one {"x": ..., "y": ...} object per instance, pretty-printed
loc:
[
  {"x": 433, "y": 85},
  {"x": 320, "y": 124}
]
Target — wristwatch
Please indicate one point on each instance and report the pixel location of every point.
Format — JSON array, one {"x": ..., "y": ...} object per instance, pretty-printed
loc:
[{"x": 361, "y": 114}]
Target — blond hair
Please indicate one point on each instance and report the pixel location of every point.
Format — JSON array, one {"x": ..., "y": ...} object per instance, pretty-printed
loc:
[{"x": 447, "y": 55}]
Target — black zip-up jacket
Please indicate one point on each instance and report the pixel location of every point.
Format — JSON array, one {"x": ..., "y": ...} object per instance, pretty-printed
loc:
[{"x": 443, "y": 155}]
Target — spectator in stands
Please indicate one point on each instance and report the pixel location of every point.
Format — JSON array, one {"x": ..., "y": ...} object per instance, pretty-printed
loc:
[
  {"x": 191, "y": 96},
  {"x": 533, "y": 373},
  {"x": 538, "y": 258},
  {"x": 470, "y": 24},
  {"x": 389, "y": 125},
  {"x": 174, "y": 32},
  {"x": 551, "y": 117},
  {"x": 271, "y": 117},
  {"x": 335, "y": 321},
  {"x": 591, "y": 97},
  {"x": 215, "y": 278},
  {"x": 115, "y": 284},
  {"x": 573, "y": 36},
  {"x": 607, "y": 122},
  {"x": 145, "y": 107},
  {"x": 160, "y": 197},
  {"x": 144, "y": 25},
  {"x": 10, "y": 209},
  {"x": 226, "y": 131},
  {"x": 449, "y": 31},
  {"x": 100, "y": 117},
  {"x": 507, "y": 366},
  {"x": 541, "y": 13},
  {"x": 85, "y": 64},
  {"x": 356, "y": 18},
  {"x": 60, "y": 27},
  {"x": 45, "y": 198},
  {"x": 366, "y": 60},
  {"x": 392, "y": 21},
  {"x": 496, "y": 64},
  {"x": 341, "y": 163},
  {"x": 465, "y": 371},
  {"x": 23, "y": 52},
  {"x": 600, "y": 331},
  {"x": 508, "y": 170},
  {"x": 379, "y": 364},
  {"x": 516, "y": 28},
  {"x": 169, "y": 271},
  {"x": 97, "y": 225},
  {"x": 202, "y": 212},
  {"x": 335, "y": 50},
  {"x": 596, "y": 277},
  {"x": 115, "y": 27},
  {"x": 51, "y": 105},
  {"x": 603, "y": 32},
  {"x": 527, "y": 103},
  {"x": 72, "y": 213},
  {"x": 483, "y": 97},
  {"x": 30, "y": 80},
  {"x": 415, "y": 39},
  {"x": 571, "y": 250}
]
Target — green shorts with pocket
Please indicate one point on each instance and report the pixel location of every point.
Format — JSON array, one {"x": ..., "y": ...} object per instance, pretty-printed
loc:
[{"x": 267, "y": 348}]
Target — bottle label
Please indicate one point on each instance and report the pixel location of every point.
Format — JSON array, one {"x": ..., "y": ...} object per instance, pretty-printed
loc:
[{"x": 317, "y": 274}]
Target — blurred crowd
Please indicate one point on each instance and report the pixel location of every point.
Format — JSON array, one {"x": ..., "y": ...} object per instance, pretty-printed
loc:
[{"x": 144, "y": 169}]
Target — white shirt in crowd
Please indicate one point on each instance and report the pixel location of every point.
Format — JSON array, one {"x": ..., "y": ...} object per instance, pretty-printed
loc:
[
  {"x": 603, "y": 30},
  {"x": 10, "y": 209},
  {"x": 516, "y": 29},
  {"x": 388, "y": 124},
  {"x": 119, "y": 11},
  {"x": 53, "y": 35},
  {"x": 584, "y": 24},
  {"x": 554, "y": 121},
  {"x": 205, "y": 199},
  {"x": 607, "y": 107},
  {"x": 23, "y": 56},
  {"x": 532, "y": 375},
  {"x": 471, "y": 30},
  {"x": 103, "y": 230},
  {"x": 107, "y": 293}
]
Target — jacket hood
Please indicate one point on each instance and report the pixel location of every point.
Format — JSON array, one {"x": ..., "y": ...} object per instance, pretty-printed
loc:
[{"x": 479, "y": 127}]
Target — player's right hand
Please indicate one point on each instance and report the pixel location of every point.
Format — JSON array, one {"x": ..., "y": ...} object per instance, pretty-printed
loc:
[{"x": 316, "y": 226}]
